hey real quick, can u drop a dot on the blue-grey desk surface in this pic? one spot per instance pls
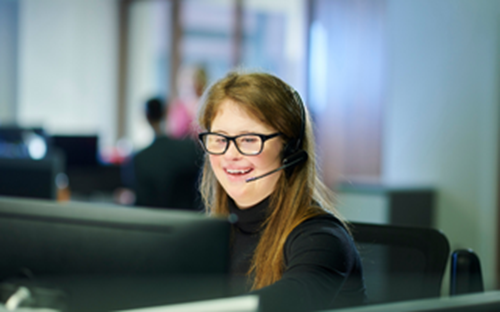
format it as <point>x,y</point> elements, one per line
<point>479,302</point>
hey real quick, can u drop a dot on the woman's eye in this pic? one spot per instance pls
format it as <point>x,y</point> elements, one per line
<point>249,140</point>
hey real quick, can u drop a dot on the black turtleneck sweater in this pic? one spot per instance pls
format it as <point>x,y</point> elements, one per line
<point>322,265</point>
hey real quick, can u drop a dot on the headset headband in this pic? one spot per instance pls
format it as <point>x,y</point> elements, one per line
<point>298,99</point>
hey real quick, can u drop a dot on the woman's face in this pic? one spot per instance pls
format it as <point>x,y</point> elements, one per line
<point>232,169</point>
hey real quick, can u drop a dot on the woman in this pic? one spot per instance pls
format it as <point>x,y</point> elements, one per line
<point>288,239</point>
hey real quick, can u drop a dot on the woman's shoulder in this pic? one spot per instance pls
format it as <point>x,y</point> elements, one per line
<point>321,241</point>
<point>325,222</point>
<point>321,230</point>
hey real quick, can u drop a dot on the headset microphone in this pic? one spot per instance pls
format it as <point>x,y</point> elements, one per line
<point>290,161</point>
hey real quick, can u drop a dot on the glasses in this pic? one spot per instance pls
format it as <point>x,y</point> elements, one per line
<point>249,144</point>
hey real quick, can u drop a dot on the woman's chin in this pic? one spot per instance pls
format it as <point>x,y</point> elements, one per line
<point>238,196</point>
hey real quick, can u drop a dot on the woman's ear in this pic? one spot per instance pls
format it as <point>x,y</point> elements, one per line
<point>288,148</point>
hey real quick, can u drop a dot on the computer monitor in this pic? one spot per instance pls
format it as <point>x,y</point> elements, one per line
<point>107,257</point>
<point>20,142</point>
<point>79,150</point>
<point>15,134</point>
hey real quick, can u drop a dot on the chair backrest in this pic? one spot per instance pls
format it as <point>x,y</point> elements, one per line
<point>465,273</point>
<point>401,263</point>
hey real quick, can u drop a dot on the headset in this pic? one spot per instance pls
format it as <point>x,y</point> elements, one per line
<point>293,153</point>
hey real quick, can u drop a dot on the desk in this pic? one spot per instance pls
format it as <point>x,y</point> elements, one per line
<point>101,293</point>
<point>247,303</point>
<point>479,302</point>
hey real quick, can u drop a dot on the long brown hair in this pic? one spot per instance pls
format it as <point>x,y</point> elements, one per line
<point>298,196</point>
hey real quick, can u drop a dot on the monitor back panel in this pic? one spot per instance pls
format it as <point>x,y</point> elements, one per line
<point>128,257</point>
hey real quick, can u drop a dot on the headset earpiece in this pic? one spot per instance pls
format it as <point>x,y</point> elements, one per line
<point>289,148</point>
<point>295,158</point>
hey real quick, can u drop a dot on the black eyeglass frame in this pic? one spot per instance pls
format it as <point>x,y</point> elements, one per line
<point>263,138</point>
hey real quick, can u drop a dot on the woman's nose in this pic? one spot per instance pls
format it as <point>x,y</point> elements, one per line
<point>232,152</point>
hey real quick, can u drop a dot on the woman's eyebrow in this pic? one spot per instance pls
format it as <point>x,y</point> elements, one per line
<point>218,131</point>
<point>237,133</point>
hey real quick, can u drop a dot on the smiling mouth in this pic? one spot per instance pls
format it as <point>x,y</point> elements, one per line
<point>238,172</point>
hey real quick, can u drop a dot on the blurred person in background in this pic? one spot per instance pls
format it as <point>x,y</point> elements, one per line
<point>191,83</point>
<point>165,174</point>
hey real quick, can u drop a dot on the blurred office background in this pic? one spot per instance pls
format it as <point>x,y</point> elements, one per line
<point>404,94</point>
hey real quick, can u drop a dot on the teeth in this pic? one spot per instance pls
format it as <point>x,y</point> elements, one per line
<point>231,171</point>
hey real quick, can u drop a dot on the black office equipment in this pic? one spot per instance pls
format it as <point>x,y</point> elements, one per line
<point>14,133</point>
<point>80,150</point>
<point>401,263</point>
<point>30,178</point>
<point>86,173</point>
<point>110,257</point>
<point>20,142</point>
<point>465,273</point>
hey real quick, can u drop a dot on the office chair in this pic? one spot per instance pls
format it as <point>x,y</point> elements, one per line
<point>401,263</point>
<point>465,273</point>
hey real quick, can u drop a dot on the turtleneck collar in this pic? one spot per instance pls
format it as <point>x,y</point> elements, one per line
<point>249,219</point>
